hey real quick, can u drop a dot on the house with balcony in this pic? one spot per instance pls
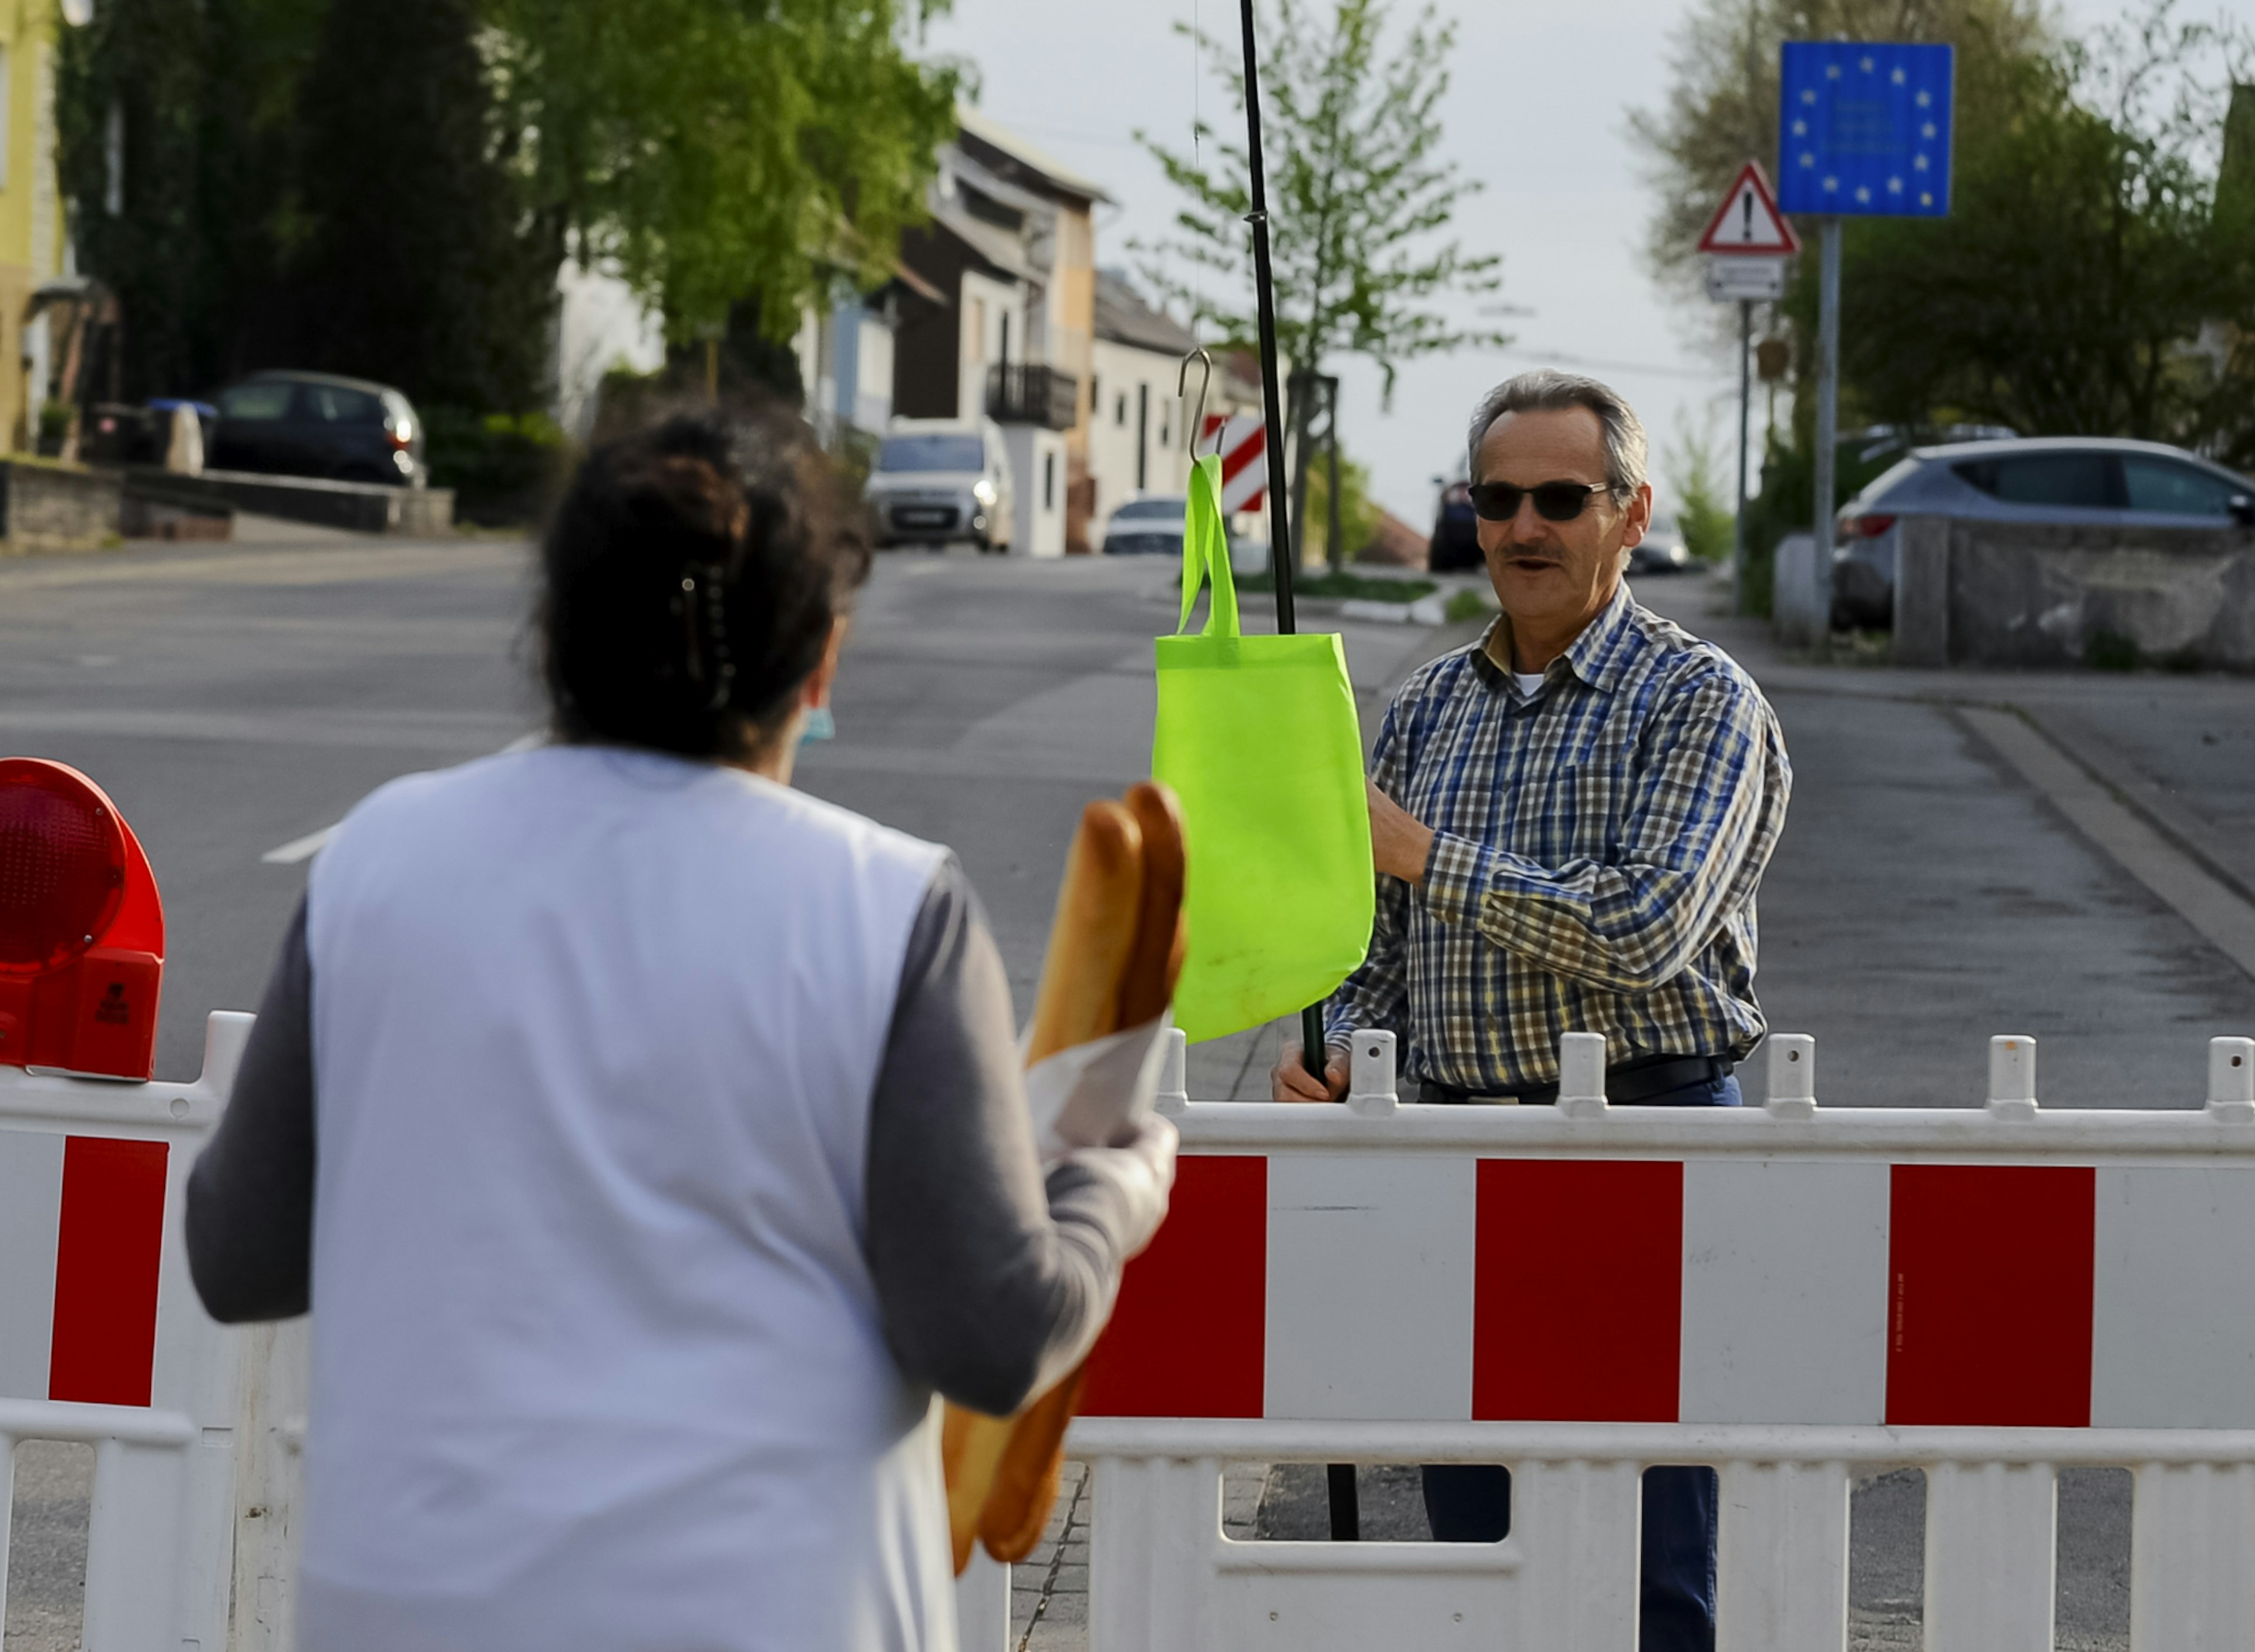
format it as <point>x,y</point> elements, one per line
<point>1137,439</point>
<point>1000,322</point>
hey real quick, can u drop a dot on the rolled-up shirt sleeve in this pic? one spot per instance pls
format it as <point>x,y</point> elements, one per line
<point>1693,817</point>
<point>992,1279</point>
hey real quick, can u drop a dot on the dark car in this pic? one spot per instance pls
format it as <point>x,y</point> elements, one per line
<point>316,424</point>
<point>1456,532</point>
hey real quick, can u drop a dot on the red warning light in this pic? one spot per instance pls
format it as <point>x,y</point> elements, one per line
<point>81,927</point>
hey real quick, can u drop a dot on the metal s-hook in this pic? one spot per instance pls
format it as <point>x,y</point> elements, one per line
<point>1181,393</point>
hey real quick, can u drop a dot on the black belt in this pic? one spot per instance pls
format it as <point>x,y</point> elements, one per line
<point>1626,1085</point>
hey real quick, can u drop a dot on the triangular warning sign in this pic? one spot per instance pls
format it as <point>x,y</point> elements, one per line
<point>1748,220</point>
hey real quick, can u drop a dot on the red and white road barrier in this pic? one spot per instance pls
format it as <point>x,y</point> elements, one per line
<point>103,1341</point>
<point>1794,1295</point>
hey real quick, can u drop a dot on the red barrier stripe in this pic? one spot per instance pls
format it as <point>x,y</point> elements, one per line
<point>1188,1336</point>
<point>1254,447</point>
<point>1989,1272</point>
<point>1578,1290</point>
<point>106,1266</point>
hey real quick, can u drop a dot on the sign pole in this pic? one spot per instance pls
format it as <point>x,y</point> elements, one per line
<point>1745,398</point>
<point>1827,395</point>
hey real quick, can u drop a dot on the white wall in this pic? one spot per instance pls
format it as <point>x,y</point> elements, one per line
<point>600,324</point>
<point>1037,482</point>
<point>1135,393</point>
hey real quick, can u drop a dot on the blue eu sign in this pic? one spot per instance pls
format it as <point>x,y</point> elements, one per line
<point>1864,130</point>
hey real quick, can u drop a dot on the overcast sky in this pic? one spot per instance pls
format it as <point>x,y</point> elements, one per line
<point>1539,108</point>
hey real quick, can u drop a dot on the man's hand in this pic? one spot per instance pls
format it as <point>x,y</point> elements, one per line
<point>1398,845</point>
<point>1289,1080</point>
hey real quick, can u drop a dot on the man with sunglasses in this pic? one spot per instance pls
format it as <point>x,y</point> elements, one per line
<point>1569,818</point>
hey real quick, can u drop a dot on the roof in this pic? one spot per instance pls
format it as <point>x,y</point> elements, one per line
<point>295,377</point>
<point>1123,317</point>
<point>1957,452</point>
<point>993,133</point>
<point>999,247</point>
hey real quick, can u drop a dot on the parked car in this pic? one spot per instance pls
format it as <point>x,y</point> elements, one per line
<point>941,479</point>
<point>2071,481</point>
<point>1150,526</point>
<point>1661,550</point>
<point>1455,543</point>
<point>318,425</point>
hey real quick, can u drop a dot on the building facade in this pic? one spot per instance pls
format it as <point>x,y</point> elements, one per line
<point>1000,321</point>
<point>34,246</point>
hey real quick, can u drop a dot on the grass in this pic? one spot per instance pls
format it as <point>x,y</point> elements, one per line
<point>1466,605</point>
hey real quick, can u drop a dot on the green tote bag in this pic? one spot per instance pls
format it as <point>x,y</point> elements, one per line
<point>1257,737</point>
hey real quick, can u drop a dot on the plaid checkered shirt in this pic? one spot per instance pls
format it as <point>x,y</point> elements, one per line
<point>1596,849</point>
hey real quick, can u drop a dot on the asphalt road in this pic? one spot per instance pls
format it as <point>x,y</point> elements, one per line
<point>236,700</point>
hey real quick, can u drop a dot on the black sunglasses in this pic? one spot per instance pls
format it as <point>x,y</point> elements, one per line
<point>1553,501</point>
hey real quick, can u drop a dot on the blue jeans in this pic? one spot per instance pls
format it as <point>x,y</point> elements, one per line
<point>1470,1502</point>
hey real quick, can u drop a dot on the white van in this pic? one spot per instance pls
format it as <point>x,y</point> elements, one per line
<point>941,479</point>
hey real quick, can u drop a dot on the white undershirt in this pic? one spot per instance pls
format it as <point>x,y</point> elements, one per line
<point>1531,683</point>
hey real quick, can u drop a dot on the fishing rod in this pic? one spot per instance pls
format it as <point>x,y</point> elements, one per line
<point>1338,1477</point>
<point>1280,513</point>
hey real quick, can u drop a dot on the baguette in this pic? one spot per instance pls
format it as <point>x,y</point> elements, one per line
<point>1156,962</point>
<point>1026,1477</point>
<point>1094,931</point>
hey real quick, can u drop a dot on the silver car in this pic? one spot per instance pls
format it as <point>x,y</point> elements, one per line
<point>2073,480</point>
<point>1149,525</point>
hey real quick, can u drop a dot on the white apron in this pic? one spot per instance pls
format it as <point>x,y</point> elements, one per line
<point>597,1364</point>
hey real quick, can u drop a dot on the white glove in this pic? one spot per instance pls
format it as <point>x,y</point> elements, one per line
<point>1141,1171</point>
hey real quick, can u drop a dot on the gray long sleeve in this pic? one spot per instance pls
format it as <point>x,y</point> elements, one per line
<point>987,1280</point>
<point>250,1195</point>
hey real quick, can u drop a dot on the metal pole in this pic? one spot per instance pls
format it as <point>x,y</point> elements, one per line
<point>1345,1521</point>
<point>1827,403</point>
<point>1279,516</point>
<point>1745,398</point>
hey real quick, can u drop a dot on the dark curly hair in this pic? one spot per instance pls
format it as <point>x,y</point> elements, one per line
<point>689,579</point>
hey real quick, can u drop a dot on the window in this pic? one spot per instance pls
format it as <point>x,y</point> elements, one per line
<point>1049,481</point>
<point>2182,490</point>
<point>2082,481</point>
<point>334,404</point>
<point>267,400</point>
<point>1119,410</point>
<point>932,453</point>
<point>1095,398</point>
<point>1158,507</point>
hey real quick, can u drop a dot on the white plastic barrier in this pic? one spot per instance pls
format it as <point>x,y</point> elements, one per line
<point>103,1341</point>
<point>1793,1295</point>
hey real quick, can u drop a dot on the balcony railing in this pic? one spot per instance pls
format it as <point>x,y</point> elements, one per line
<point>1032,394</point>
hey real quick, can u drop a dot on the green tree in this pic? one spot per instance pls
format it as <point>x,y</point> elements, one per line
<point>1359,512</point>
<point>176,152</point>
<point>1704,510</point>
<point>2085,282</point>
<point>412,267</point>
<point>1358,201</point>
<point>720,151</point>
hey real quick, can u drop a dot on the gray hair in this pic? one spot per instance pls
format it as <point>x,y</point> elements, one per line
<point>1548,390</point>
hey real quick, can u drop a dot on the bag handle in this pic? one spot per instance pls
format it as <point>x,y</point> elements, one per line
<point>1205,551</point>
